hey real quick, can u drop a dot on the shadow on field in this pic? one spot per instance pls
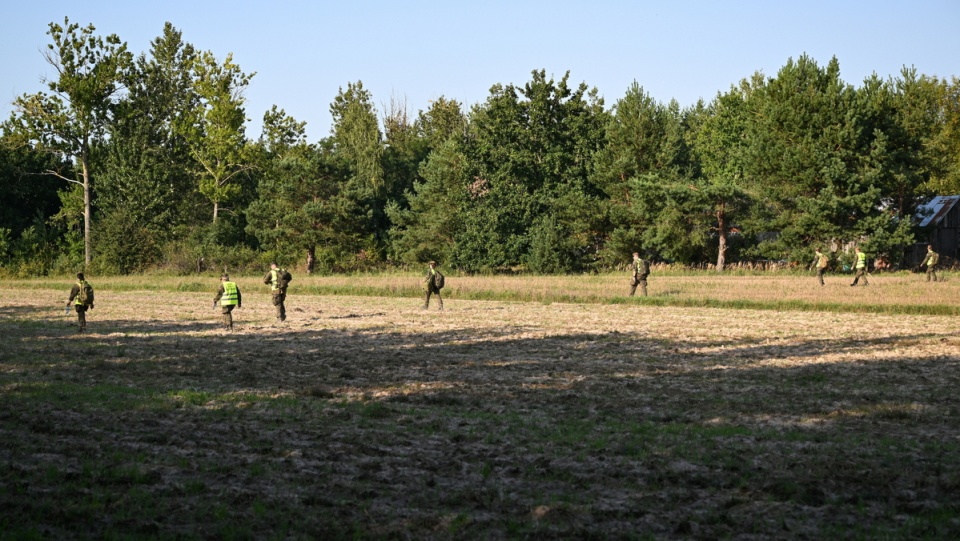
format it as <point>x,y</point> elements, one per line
<point>509,431</point>
<point>382,363</point>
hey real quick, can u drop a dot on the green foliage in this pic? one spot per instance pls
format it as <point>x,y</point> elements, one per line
<point>125,244</point>
<point>27,189</point>
<point>426,230</point>
<point>214,128</point>
<point>72,121</point>
<point>551,249</point>
<point>538,176</point>
<point>304,203</point>
<point>521,153</point>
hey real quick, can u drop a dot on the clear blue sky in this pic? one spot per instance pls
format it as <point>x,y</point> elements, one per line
<point>415,51</point>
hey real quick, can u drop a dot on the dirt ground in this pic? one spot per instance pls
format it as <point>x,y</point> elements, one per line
<point>371,418</point>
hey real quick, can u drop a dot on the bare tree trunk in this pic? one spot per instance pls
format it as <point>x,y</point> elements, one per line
<point>216,209</point>
<point>87,244</point>
<point>722,236</point>
<point>311,259</point>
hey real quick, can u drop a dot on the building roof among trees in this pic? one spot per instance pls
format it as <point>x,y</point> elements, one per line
<point>933,212</point>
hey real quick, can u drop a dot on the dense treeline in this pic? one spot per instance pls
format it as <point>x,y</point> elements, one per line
<point>129,163</point>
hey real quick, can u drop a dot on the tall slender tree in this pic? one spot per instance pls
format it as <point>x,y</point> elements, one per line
<point>215,128</point>
<point>358,148</point>
<point>72,119</point>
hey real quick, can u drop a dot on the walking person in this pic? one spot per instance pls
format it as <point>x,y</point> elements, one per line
<point>640,270</point>
<point>931,263</point>
<point>820,261</point>
<point>81,295</point>
<point>278,279</point>
<point>432,284</point>
<point>861,268</point>
<point>229,297</point>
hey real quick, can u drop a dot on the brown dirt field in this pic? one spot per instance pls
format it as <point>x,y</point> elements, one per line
<point>366,417</point>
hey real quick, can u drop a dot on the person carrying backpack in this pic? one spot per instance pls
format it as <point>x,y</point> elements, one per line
<point>432,283</point>
<point>931,263</point>
<point>640,271</point>
<point>81,295</point>
<point>278,279</point>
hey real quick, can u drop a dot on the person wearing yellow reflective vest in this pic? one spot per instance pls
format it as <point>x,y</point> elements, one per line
<point>81,295</point>
<point>861,268</point>
<point>276,278</point>
<point>229,297</point>
<point>820,262</point>
<point>931,263</point>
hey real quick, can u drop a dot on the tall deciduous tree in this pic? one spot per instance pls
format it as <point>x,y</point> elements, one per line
<point>72,119</point>
<point>941,137</point>
<point>215,128</point>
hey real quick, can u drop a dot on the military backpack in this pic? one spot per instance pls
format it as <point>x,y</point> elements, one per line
<point>85,296</point>
<point>283,278</point>
<point>644,268</point>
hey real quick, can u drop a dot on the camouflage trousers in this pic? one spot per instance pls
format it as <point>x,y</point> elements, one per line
<point>279,297</point>
<point>861,273</point>
<point>426,300</point>
<point>642,282</point>
<point>81,316</point>
<point>227,312</point>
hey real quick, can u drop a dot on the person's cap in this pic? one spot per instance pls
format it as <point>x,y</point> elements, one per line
<point>431,263</point>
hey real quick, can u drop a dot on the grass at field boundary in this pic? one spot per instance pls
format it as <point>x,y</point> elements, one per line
<point>205,284</point>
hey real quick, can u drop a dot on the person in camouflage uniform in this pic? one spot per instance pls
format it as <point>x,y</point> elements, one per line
<point>640,271</point>
<point>931,263</point>
<point>229,297</point>
<point>278,287</point>
<point>820,262</point>
<point>430,285</point>
<point>80,306</point>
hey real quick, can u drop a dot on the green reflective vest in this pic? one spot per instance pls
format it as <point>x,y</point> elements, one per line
<point>230,294</point>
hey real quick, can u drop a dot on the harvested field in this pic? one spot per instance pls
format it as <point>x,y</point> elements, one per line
<point>366,417</point>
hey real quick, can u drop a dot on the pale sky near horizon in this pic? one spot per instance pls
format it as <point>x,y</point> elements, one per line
<point>413,52</point>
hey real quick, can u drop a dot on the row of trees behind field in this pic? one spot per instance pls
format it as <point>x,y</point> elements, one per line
<point>127,163</point>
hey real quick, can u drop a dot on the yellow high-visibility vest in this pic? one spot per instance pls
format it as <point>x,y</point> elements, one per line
<point>230,294</point>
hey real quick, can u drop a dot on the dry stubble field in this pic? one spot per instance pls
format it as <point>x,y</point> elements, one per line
<point>366,417</point>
